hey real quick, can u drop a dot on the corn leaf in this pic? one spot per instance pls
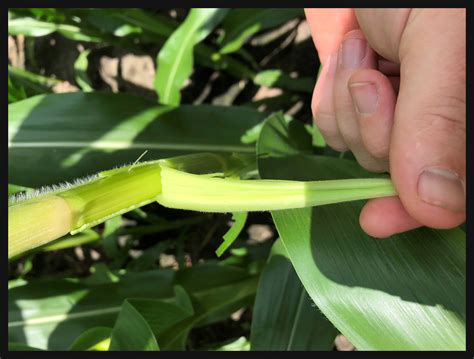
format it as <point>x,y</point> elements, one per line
<point>157,28</point>
<point>116,20</point>
<point>154,28</point>
<point>284,317</point>
<point>16,92</point>
<point>73,135</point>
<point>47,14</point>
<point>67,241</point>
<point>161,315</point>
<point>240,344</point>
<point>109,21</point>
<point>94,339</point>
<point>86,237</point>
<point>80,67</point>
<point>241,24</point>
<point>211,306</point>
<point>117,26</point>
<point>31,27</point>
<point>171,323</point>
<point>231,235</point>
<point>32,83</point>
<point>53,319</point>
<point>16,347</point>
<point>132,332</point>
<point>406,292</point>
<point>175,59</point>
<point>277,78</point>
<point>230,278</point>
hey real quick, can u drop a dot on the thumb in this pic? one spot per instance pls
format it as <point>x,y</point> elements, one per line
<point>428,143</point>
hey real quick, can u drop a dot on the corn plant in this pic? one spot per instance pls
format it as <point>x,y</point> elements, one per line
<point>84,165</point>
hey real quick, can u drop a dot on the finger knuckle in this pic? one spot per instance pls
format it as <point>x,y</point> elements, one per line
<point>374,167</point>
<point>378,148</point>
<point>372,164</point>
<point>336,145</point>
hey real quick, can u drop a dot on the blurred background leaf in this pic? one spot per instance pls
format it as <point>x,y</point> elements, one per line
<point>131,332</point>
<point>81,66</point>
<point>240,344</point>
<point>31,27</point>
<point>18,347</point>
<point>31,83</point>
<point>15,92</point>
<point>241,24</point>
<point>175,60</point>
<point>94,339</point>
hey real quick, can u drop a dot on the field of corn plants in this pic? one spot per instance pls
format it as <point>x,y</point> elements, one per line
<point>169,191</point>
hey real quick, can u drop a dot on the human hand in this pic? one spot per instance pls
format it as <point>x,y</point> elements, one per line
<point>393,91</point>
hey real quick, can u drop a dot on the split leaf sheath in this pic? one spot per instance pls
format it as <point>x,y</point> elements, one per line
<point>211,187</point>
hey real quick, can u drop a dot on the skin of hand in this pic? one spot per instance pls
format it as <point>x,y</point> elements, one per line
<point>393,91</point>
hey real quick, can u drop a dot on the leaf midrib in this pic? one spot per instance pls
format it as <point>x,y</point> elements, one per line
<point>297,315</point>
<point>117,145</point>
<point>63,317</point>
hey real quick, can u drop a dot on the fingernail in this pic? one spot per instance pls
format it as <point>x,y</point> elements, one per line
<point>352,53</point>
<point>442,188</point>
<point>365,97</point>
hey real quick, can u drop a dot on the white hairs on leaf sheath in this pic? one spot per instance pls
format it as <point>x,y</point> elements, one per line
<point>55,188</point>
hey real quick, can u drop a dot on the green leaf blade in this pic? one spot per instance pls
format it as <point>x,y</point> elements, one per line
<point>284,318</point>
<point>74,135</point>
<point>132,332</point>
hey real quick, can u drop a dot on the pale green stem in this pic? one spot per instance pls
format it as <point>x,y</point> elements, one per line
<point>208,194</point>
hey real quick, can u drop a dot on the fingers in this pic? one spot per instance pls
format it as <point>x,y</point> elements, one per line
<point>346,124</point>
<point>373,97</point>
<point>328,27</point>
<point>323,106</point>
<point>354,55</point>
<point>384,217</point>
<point>428,149</point>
